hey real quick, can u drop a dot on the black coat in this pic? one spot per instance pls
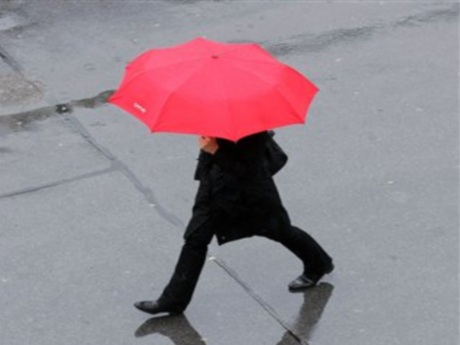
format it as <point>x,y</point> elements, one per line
<point>237,193</point>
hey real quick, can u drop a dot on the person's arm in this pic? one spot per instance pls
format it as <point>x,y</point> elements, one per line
<point>241,159</point>
<point>228,160</point>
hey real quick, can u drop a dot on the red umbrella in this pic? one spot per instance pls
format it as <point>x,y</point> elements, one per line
<point>214,89</point>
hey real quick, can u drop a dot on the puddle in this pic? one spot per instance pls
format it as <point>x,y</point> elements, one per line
<point>92,102</point>
<point>179,330</point>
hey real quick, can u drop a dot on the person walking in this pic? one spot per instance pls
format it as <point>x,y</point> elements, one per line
<point>236,198</point>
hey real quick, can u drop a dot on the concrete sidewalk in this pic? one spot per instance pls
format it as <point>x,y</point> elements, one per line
<point>93,206</point>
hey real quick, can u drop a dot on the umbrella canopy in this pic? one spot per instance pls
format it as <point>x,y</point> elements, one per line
<point>215,89</point>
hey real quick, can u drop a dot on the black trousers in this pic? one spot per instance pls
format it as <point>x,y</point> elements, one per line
<point>178,293</point>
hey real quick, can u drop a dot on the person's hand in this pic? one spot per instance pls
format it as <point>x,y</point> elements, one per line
<point>208,144</point>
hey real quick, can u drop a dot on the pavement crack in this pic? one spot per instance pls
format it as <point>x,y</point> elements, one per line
<point>320,42</point>
<point>299,44</point>
<point>144,190</point>
<point>20,121</point>
<point>16,68</point>
<point>269,309</point>
<point>448,13</point>
<point>10,61</point>
<point>57,183</point>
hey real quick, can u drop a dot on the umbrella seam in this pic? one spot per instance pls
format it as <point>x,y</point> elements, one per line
<point>275,86</point>
<point>227,103</point>
<point>166,101</point>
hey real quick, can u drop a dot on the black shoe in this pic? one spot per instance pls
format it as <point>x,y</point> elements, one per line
<point>153,307</point>
<point>306,280</point>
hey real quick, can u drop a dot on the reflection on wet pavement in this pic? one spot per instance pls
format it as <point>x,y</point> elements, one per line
<point>179,330</point>
<point>314,302</point>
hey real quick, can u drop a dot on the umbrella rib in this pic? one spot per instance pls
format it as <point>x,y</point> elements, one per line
<point>276,87</point>
<point>168,98</point>
<point>227,103</point>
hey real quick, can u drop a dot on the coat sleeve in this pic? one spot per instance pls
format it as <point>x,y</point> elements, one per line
<point>204,160</point>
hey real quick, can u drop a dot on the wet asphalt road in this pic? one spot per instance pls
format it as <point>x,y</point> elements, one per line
<point>92,206</point>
